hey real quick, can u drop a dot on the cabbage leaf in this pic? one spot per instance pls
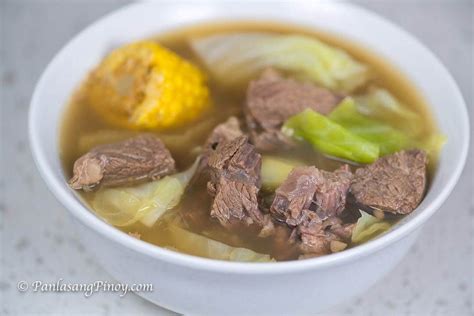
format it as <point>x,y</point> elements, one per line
<point>368,227</point>
<point>199,245</point>
<point>234,59</point>
<point>385,136</point>
<point>381,105</point>
<point>330,138</point>
<point>123,206</point>
<point>275,170</point>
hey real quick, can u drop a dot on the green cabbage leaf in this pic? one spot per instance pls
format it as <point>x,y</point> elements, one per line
<point>384,135</point>
<point>330,138</point>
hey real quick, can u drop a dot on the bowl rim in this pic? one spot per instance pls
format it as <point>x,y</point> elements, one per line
<point>86,217</point>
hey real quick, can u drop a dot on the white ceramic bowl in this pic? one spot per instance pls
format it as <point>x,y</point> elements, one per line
<point>195,285</point>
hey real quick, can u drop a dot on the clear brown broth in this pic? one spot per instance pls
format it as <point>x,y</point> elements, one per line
<point>79,121</point>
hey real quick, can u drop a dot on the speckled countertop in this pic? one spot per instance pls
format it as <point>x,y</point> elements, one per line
<point>39,243</point>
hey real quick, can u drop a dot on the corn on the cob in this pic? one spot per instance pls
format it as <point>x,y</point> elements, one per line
<point>146,86</point>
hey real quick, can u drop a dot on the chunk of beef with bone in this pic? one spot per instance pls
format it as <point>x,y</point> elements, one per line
<point>308,188</point>
<point>309,200</point>
<point>234,168</point>
<point>394,183</point>
<point>272,99</point>
<point>137,159</point>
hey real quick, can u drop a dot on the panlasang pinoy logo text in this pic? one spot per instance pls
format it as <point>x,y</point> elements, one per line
<point>86,288</point>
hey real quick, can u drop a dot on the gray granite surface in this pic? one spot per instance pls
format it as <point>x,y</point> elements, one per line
<point>39,243</point>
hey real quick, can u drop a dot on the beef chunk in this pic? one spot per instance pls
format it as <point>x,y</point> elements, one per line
<point>295,195</point>
<point>394,183</point>
<point>226,131</point>
<point>271,99</point>
<point>234,168</point>
<point>235,200</point>
<point>330,196</point>
<point>236,159</point>
<point>311,189</point>
<point>140,158</point>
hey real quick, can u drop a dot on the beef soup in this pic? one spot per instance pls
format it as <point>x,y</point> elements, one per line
<point>249,142</point>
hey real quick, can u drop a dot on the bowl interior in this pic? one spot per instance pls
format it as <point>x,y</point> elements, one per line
<point>74,61</point>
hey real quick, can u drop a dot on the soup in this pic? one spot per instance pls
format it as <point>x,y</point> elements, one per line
<point>249,142</point>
